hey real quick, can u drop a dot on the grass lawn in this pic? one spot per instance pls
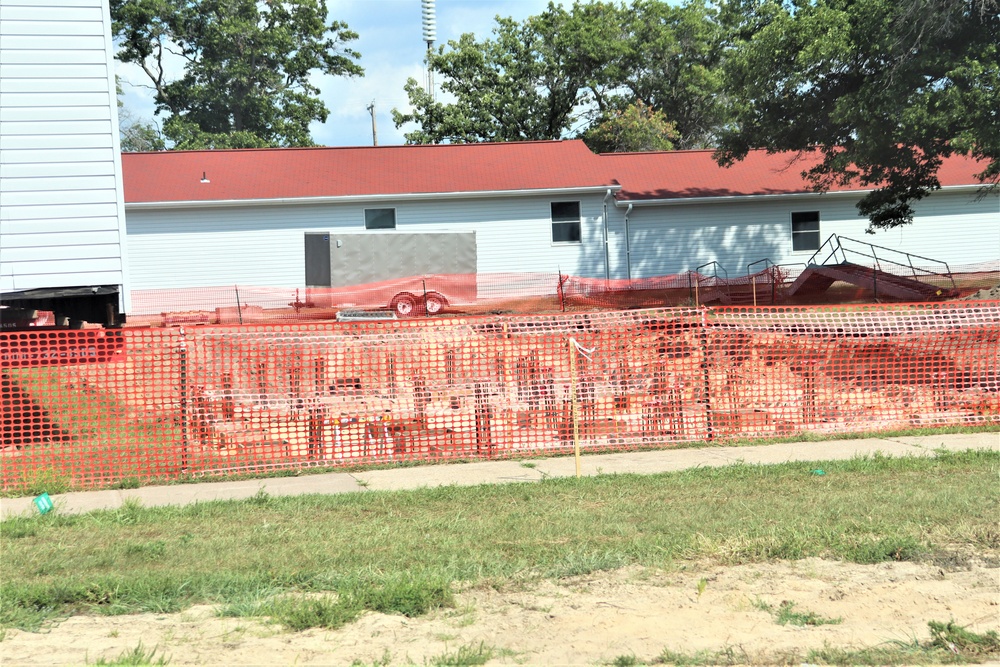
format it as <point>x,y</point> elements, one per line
<point>405,551</point>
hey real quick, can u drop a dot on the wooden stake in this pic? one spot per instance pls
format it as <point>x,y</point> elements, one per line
<point>696,302</point>
<point>753,284</point>
<point>573,401</point>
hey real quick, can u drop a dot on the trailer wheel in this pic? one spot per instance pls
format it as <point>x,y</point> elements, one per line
<point>404,304</point>
<point>435,303</point>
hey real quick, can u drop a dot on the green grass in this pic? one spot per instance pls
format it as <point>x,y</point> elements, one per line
<point>465,656</point>
<point>787,614</point>
<point>104,441</point>
<point>403,552</point>
<point>949,644</point>
<point>138,656</point>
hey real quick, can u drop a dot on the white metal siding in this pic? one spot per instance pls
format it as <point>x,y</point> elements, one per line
<point>953,227</point>
<point>62,220</point>
<point>264,245</point>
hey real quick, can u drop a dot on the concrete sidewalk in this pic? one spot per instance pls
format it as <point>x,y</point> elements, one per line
<point>499,472</point>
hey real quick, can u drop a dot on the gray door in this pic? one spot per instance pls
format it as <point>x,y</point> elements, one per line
<point>318,260</point>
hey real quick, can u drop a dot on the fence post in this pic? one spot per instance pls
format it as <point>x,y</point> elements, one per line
<point>239,308</point>
<point>182,351</point>
<point>562,295</point>
<point>574,404</point>
<point>705,352</point>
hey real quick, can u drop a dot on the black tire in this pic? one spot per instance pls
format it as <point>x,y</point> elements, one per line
<point>404,304</point>
<point>434,303</point>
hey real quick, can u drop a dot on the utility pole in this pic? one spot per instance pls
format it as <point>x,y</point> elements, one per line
<point>430,34</point>
<point>371,110</point>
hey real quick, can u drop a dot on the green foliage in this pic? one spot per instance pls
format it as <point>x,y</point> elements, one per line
<point>44,480</point>
<point>465,656</point>
<point>136,656</point>
<point>640,77</point>
<point>671,60</point>
<point>788,615</point>
<point>299,614</point>
<point>636,128</point>
<point>521,85</point>
<point>249,66</point>
<point>408,595</point>
<point>137,135</point>
<point>957,639</point>
<point>891,548</point>
<point>883,90</point>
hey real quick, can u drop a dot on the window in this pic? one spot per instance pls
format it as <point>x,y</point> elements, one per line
<point>805,231</point>
<point>380,218</point>
<point>565,222</point>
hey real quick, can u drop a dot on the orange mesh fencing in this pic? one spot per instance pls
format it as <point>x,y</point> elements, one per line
<point>95,408</point>
<point>508,293</point>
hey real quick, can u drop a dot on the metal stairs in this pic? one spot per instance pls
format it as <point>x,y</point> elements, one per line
<point>876,268</point>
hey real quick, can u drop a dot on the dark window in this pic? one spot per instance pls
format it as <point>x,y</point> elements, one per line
<point>565,222</point>
<point>380,218</point>
<point>805,231</point>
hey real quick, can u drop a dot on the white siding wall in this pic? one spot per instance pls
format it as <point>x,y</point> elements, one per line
<point>62,220</point>
<point>949,226</point>
<point>264,245</point>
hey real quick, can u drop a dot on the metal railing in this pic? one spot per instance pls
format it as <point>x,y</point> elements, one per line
<point>839,252</point>
<point>708,279</point>
<point>777,272</point>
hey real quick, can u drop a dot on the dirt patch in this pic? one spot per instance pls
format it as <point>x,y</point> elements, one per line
<point>578,621</point>
<point>985,294</point>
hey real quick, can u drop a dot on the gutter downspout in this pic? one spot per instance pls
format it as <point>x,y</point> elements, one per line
<point>628,245</point>
<point>607,256</point>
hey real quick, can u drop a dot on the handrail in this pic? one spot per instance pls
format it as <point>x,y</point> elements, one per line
<point>775,273</point>
<point>837,245</point>
<point>768,264</point>
<point>834,241</point>
<point>716,267</point>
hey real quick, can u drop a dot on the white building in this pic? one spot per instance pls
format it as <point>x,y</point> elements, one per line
<point>62,216</point>
<point>254,217</point>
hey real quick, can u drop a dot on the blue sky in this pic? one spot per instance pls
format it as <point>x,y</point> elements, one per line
<point>391,44</point>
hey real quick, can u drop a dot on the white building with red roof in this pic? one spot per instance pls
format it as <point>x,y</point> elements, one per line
<point>266,217</point>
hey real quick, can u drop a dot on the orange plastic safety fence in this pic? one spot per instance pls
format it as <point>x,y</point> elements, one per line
<point>509,293</point>
<point>97,407</point>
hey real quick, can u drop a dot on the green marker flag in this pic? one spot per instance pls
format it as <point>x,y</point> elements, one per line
<point>44,503</point>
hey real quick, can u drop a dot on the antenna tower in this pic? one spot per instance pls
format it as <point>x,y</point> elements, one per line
<point>430,34</point>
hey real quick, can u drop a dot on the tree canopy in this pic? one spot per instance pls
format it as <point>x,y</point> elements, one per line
<point>568,72</point>
<point>884,89</point>
<point>247,66</point>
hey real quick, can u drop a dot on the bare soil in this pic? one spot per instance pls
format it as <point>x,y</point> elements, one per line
<point>584,620</point>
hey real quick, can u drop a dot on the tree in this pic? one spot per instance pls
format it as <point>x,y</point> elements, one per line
<point>136,135</point>
<point>885,90</point>
<point>247,66</point>
<point>522,85</point>
<point>672,62</point>
<point>564,71</point>
<point>636,128</point>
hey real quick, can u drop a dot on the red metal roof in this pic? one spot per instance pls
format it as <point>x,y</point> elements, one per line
<point>294,173</point>
<point>694,174</point>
